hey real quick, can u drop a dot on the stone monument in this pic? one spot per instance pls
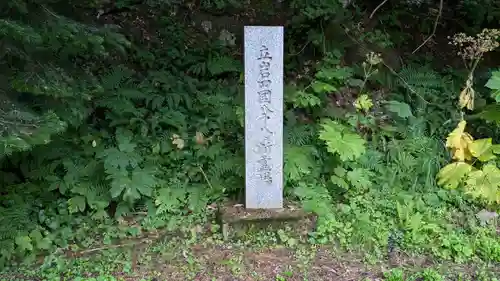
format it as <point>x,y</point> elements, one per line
<point>263,49</point>
<point>264,206</point>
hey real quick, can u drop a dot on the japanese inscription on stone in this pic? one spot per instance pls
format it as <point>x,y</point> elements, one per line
<point>264,117</point>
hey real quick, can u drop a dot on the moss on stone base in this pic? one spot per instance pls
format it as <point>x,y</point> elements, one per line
<point>237,221</point>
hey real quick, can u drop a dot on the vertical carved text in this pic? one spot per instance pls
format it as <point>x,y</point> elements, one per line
<point>264,95</point>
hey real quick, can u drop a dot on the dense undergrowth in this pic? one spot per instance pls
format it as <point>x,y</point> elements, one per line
<point>136,113</point>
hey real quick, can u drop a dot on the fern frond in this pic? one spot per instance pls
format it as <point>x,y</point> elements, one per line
<point>222,64</point>
<point>299,134</point>
<point>372,160</point>
<point>227,165</point>
<point>421,78</point>
<point>298,161</point>
<point>17,211</point>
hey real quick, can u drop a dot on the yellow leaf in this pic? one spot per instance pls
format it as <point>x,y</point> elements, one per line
<point>482,149</point>
<point>453,139</point>
<point>363,102</point>
<point>485,183</point>
<point>461,154</point>
<point>480,146</point>
<point>452,174</point>
<point>458,141</point>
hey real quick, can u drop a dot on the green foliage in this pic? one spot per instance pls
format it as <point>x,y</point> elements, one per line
<point>319,9</point>
<point>48,78</point>
<point>339,140</point>
<point>401,109</point>
<point>100,124</point>
<point>480,182</point>
<point>494,84</point>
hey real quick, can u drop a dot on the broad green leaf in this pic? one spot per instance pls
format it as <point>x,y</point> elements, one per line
<point>490,112</point>
<point>114,158</point>
<point>97,204</point>
<point>77,204</point>
<point>359,178</point>
<point>322,87</point>
<point>339,171</point>
<point>36,235</point>
<point>494,81</point>
<point>131,195</point>
<point>24,242</point>
<point>401,109</point>
<point>338,74</point>
<point>124,139</point>
<point>496,96</point>
<point>452,175</point>
<point>126,146</point>
<point>143,181</point>
<point>339,182</point>
<point>44,244</point>
<point>118,185</point>
<point>494,84</point>
<point>496,148</point>
<point>302,99</point>
<point>100,214</point>
<point>122,209</point>
<point>41,242</point>
<point>57,183</point>
<point>355,82</point>
<point>340,140</point>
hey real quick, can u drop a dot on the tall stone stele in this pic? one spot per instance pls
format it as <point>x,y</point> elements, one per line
<point>263,47</point>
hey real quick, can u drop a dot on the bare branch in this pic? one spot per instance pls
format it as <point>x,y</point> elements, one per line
<point>435,27</point>
<point>378,7</point>
<point>410,88</point>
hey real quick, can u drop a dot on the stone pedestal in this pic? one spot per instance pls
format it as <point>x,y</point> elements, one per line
<point>237,221</point>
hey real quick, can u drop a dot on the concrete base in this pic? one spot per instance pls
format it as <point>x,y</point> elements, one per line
<point>237,221</point>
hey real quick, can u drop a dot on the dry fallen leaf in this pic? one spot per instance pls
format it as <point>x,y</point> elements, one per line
<point>466,98</point>
<point>178,141</point>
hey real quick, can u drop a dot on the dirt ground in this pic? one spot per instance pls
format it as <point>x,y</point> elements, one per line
<point>227,263</point>
<point>238,264</point>
<point>215,260</point>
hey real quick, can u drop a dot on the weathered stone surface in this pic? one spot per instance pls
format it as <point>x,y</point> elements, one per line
<point>263,117</point>
<point>236,220</point>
